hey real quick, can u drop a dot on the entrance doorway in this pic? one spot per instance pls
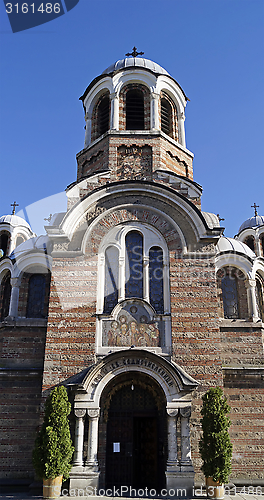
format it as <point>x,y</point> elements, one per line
<point>135,451</point>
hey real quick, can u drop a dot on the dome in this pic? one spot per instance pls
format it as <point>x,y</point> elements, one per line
<point>14,220</point>
<point>136,62</point>
<point>256,221</point>
<point>231,245</point>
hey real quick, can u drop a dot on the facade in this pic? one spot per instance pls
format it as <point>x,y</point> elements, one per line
<point>135,301</point>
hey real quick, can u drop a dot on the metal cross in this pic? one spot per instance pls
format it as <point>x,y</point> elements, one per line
<point>255,206</point>
<point>49,218</point>
<point>219,218</point>
<point>135,53</point>
<point>14,205</point>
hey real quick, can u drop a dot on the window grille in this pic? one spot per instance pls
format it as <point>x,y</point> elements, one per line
<point>36,296</point>
<point>103,116</point>
<point>135,110</point>
<point>156,279</point>
<point>134,265</point>
<point>111,278</point>
<point>230,298</point>
<point>166,117</point>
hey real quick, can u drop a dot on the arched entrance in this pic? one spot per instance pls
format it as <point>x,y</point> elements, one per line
<point>134,411</point>
<point>128,407</point>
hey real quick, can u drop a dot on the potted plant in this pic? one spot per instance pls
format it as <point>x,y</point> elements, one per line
<point>53,449</point>
<point>215,445</point>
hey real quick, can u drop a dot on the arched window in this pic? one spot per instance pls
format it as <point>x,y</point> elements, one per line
<point>6,294</point>
<point>103,116</point>
<point>111,278</point>
<point>259,297</point>
<point>156,279</point>
<point>36,296</point>
<point>134,265</point>
<point>4,242</point>
<point>230,297</point>
<point>250,243</point>
<point>262,243</point>
<point>135,110</point>
<point>166,117</point>
<point>19,240</point>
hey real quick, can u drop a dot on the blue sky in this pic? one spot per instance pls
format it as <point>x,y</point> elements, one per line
<point>213,48</point>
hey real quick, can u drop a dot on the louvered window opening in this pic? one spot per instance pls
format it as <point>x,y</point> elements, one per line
<point>166,117</point>
<point>6,299</point>
<point>103,116</point>
<point>135,110</point>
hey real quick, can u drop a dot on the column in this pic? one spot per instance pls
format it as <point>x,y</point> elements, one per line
<point>258,246</point>
<point>92,461</point>
<point>252,301</point>
<point>172,437</point>
<point>13,307</point>
<point>88,130</point>
<point>114,120</point>
<point>181,119</point>
<point>154,115</point>
<point>79,432</point>
<point>146,278</point>
<point>185,436</point>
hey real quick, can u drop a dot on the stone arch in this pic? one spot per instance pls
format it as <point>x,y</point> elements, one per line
<point>172,385</point>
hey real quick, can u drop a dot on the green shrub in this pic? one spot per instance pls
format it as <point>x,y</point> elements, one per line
<point>53,449</point>
<point>215,446</point>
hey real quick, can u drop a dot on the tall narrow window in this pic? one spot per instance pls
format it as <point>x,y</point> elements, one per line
<point>156,279</point>
<point>250,243</point>
<point>103,116</point>
<point>259,296</point>
<point>4,241</point>
<point>230,299</point>
<point>166,117</point>
<point>134,265</point>
<point>6,294</point>
<point>111,278</point>
<point>36,296</point>
<point>135,110</point>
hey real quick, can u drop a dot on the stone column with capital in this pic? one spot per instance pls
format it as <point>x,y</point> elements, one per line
<point>185,436</point>
<point>154,111</point>
<point>172,461</point>
<point>79,434</point>
<point>252,300</point>
<point>88,130</point>
<point>181,119</point>
<point>13,307</point>
<point>179,475</point>
<point>86,476</point>
<point>92,461</point>
<point>114,118</point>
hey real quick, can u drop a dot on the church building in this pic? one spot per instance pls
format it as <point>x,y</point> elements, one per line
<point>134,301</point>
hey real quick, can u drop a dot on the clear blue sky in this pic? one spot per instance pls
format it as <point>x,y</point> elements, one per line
<point>213,48</point>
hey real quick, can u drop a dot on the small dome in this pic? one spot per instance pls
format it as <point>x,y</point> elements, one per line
<point>14,220</point>
<point>211,220</point>
<point>231,245</point>
<point>256,221</point>
<point>137,62</point>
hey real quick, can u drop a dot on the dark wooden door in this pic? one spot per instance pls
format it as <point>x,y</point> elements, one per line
<point>132,438</point>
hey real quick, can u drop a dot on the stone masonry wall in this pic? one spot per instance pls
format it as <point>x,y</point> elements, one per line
<point>70,342</point>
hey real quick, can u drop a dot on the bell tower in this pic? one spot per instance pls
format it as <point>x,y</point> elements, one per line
<point>134,113</point>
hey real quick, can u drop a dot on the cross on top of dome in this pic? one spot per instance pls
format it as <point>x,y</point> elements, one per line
<point>255,207</point>
<point>134,53</point>
<point>14,205</point>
